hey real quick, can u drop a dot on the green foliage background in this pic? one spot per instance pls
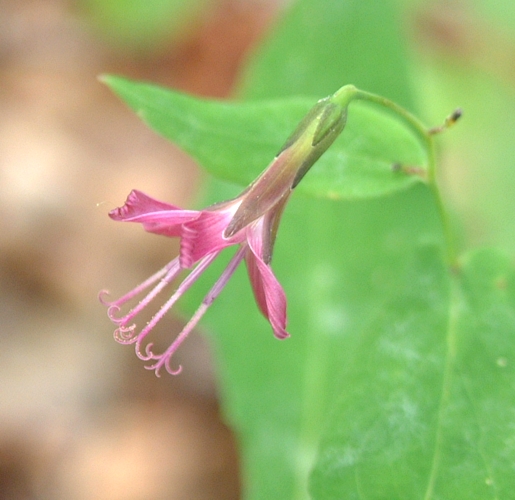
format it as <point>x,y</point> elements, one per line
<point>397,381</point>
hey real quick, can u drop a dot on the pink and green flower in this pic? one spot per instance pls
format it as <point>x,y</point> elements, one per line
<point>248,222</point>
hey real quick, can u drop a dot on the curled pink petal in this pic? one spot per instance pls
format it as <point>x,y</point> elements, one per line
<point>156,216</point>
<point>138,204</point>
<point>268,292</point>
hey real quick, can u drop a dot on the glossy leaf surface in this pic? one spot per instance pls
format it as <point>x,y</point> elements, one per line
<point>235,141</point>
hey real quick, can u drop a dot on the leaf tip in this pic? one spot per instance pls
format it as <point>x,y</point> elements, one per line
<point>104,78</point>
<point>109,80</point>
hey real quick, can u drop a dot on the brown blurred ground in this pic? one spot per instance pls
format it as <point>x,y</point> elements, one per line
<point>79,416</point>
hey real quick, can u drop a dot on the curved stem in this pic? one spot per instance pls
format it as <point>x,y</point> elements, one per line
<point>426,138</point>
<point>414,123</point>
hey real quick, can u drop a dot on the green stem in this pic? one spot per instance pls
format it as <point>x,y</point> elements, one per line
<point>444,216</point>
<point>426,138</point>
<point>414,123</point>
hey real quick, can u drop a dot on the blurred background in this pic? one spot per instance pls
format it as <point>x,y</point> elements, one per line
<point>79,416</point>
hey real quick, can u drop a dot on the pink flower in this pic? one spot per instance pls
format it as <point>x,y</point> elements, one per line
<point>204,234</point>
<point>248,222</point>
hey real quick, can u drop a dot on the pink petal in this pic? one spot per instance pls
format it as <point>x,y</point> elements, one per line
<point>204,234</point>
<point>156,216</point>
<point>268,292</point>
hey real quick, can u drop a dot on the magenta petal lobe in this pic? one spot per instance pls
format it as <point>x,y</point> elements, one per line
<point>138,203</point>
<point>268,292</point>
<point>204,235</point>
<point>156,216</point>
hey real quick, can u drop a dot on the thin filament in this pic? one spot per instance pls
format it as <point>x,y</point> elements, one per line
<point>170,276</point>
<point>183,287</point>
<point>164,358</point>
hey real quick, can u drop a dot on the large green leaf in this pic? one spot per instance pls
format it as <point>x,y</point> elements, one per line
<point>235,141</point>
<point>427,410</point>
<point>338,262</point>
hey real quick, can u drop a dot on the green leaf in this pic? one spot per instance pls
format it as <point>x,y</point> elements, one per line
<point>427,410</point>
<point>235,141</point>
<point>337,262</point>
